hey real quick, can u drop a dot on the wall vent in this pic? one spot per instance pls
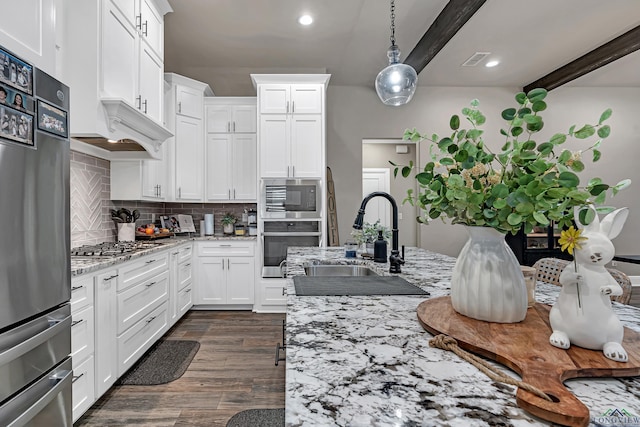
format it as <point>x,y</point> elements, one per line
<point>475,59</point>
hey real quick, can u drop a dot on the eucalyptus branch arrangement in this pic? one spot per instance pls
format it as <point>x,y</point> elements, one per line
<point>525,184</point>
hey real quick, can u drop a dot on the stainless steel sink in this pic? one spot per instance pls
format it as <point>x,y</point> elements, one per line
<point>338,270</point>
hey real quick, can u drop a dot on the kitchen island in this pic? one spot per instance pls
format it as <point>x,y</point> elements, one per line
<point>366,360</point>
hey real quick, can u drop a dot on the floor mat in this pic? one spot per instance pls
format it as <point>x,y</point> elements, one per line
<point>164,362</point>
<point>258,417</point>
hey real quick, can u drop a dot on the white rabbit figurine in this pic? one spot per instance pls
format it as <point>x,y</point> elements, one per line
<point>582,315</point>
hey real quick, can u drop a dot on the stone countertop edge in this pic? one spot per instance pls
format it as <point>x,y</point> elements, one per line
<point>83,265</point>
<point>366,360</point>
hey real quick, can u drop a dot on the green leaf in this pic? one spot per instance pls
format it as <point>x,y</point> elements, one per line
<point>577,166</point>
<point>596,155</point>
<point>571,130</point>
<point>446,161</point>
<point>594,181</point>
<point>474,133</point>
<point>524,112</point>
<point>503,132</point>
<point>540,218</point>
<point>535,127</point>
<point>480,119</point>
<point>536,95</point>
<point>558,139</point>
<point>521,98</point>
<point>406,171</point>
<point>584,132</point>
<point>600,198</point>
<point>509,114</point>
<point>524,208</point>
<point>444,143</point>
<point>605,115</point>
<point>514,219</point>
<point>568,180</point>
<point>475,103</point>
<point>500,191</point>
<point>625,183</point>
<point>424,178</point>
<point>566,155</point>
<point>604,131</point>
<point>586,216</point>
<point>549,178</point>
<point>488,213</point>
<point>529,145</point>
<point>454,123</point>
<point>516,131</point>
<point>597,189</point>
<point>435,186</point>
<point>539,106</point>
<point>545,148</point>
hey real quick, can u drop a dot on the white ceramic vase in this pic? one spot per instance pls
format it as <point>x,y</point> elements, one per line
<point>487,283</point>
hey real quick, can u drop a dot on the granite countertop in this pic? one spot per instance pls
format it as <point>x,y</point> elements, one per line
<point>82,265</point>
<point>366,361</point>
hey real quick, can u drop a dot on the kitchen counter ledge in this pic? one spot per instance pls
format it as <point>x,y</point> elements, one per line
<point>82,265</point>
<point>366,360</point>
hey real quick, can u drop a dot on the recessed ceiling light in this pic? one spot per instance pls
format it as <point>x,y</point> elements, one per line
<point>491,64</point>
<point>305,20</point>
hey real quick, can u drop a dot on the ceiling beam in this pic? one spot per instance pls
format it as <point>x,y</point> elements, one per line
<point>621,46</point>
<point>454,15</point>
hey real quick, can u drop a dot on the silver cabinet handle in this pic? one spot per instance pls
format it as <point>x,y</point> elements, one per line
<point>234,193</point>
<point>75,288</point>
<point>76,322</point>
<point>149,320</point>
<point>228,126</point>
<point>223,263</point>
<point>145,106</point>
<point>179,192</point>
<point>293,106</point>
<point>293,171</point>
<point>106,279</point>
<point>139,102</point>
<point>139,21</point>
<point>229,194</point>
<point>76,378</point>
<point>179,107</point>
<point>150,261</point>
<point>144,28</point>
<point>282,291</point>
<point>228,266</point>
<point>175,253</point>
<point>225,246</point>
<point>148,285</point>
<point>187,291</point>
<point>287,106</point>
<point>188,265</point>
<point>234,126</point>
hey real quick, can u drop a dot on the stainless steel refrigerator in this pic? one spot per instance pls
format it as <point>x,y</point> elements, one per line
<point>35,283</point>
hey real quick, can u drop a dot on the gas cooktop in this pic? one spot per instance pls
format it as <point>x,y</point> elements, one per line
<point>112,249</point>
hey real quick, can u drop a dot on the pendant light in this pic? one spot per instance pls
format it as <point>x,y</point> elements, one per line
<point>396,84</point>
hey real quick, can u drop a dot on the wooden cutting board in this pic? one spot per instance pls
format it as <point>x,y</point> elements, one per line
<point>524,347</point>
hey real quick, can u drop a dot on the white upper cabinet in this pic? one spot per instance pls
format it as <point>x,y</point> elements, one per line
<point>28,29</point>
<point>189,101</point>
<point>291,99</point>
<point>231,118</point>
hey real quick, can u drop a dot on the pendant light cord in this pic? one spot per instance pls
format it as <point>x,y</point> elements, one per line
<point>393,23</point>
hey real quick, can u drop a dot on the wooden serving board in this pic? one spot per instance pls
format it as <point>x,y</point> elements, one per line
<point>524,347</point>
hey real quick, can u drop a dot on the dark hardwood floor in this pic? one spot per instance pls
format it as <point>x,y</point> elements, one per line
<point>233,370</point>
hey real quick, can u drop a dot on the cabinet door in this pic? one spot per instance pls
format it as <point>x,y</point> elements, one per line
<point>119,54</point>
<point>219,166</point>
<point>218,118</point>
<point>306,146</point>
<point>189,159</point>
<point>151,26</point>
<point>106,361</point>
<point>189,102</point>
<point>240,280</point>
<point>274,99</point>
<point>154,177</point>
<point>244,166</point>
<point>274,142</point>
<point>211,280</point>
<point>244,119</point>
<point>151,82</point>
<point>306,99</point>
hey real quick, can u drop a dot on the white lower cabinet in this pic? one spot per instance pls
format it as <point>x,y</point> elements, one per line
<point>225,273</point>
<point>82,343</point>
<point>272,296</point>
<point>119,313</point>
<point>180,284</point>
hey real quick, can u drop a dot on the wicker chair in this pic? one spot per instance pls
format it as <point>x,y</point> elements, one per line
<point>548,270</point>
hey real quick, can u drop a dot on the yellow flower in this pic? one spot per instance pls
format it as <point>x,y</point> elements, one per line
<point>571,239</point>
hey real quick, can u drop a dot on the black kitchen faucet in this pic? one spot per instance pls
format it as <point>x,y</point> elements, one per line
<point>395,260</point>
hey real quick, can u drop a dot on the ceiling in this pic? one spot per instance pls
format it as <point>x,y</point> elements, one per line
<point>222,42</point>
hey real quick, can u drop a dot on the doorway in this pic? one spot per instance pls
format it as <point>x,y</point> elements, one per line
<point>377,179</point>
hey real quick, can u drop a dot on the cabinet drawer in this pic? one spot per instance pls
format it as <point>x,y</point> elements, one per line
<point>82,333</point>
<point>185,274</point>
<point>83,393</point>
<point>136,302</point>
<point>226,248</point>
<point>81,292</point>
<point>274,294</point>
<point>184,253</point>
<point>141,269</point>
<point>140,337</point>
<point>185,300</point>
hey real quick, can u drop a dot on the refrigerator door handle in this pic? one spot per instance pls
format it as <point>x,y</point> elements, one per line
<point>55,326</point>
<point>58,380</point>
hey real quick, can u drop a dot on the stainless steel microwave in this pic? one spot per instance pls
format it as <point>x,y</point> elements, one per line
<point>291,198</point>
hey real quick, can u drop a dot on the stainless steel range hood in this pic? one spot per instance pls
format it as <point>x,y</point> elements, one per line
<point>126,134</point>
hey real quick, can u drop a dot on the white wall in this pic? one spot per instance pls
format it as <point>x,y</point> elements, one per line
<point>354,113</point>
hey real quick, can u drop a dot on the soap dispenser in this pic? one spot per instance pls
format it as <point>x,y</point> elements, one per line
<point>380,249</point>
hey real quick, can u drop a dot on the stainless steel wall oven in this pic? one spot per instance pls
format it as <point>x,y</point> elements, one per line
<point>278,236</point>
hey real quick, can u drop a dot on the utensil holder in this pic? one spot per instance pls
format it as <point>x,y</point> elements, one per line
<point>126,231</point>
